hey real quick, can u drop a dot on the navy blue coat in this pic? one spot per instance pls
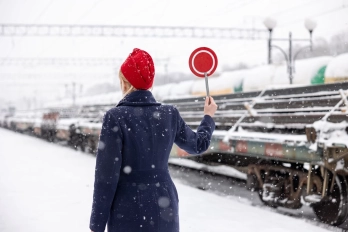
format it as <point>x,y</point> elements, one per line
<point>133,191</point>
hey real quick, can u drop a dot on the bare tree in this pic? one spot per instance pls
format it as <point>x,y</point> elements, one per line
<point>339,43</point>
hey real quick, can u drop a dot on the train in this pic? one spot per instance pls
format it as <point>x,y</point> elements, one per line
<point>318,70</point>
<point>292,143</point>
<point>290,140</point>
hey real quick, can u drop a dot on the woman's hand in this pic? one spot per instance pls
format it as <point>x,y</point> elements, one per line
<point>210,106</point>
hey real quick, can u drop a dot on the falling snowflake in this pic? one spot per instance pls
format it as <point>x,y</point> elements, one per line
<point>127,169</point>
<point>101,145</point>
<point>163,202</point>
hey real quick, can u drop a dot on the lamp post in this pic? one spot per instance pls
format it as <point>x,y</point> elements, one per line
<point>270,24</point>
<point>310,25</point>
<point>290,58</point>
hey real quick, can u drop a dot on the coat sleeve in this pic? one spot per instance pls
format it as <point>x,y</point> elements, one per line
<point>107,171</point>
<point>194,142</point>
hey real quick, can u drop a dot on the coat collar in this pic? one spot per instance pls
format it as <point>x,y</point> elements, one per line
<point>139,98</point>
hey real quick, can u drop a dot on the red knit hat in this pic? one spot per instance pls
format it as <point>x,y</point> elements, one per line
<point>139,69</point>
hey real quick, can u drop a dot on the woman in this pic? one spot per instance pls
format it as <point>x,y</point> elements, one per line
<point>133,190</point>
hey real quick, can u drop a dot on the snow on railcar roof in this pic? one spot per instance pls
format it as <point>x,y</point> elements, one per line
<point>338,67</point>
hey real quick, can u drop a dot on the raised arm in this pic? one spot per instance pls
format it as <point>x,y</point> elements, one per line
<point>107,171</point>
<point>196,142</point>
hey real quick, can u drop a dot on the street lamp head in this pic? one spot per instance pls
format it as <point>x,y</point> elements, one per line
<point>310,25</point>
<point>270,23</point>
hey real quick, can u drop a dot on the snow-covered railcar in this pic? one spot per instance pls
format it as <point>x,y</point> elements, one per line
<point>182,89</point>
<point>4,115</point>
<point>37,126</point>
<point>292,142</point>
<point>337,69</point>
<point>7,122</point>
<point>48,125</point>
<point>258,78</point>
<point>91,130</point>
<point>64,127</point>
<point>163,91</point>
<point>226,83</point>
<point>24,121</point>
<point>306,72</point>
<point>84,132</point>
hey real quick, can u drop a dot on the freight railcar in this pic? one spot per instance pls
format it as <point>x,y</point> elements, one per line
<point>293,143</point>
<point>307,72</point>
<point>337,69</point>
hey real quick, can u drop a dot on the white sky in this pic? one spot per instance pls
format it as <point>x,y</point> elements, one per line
<point>331,16</point>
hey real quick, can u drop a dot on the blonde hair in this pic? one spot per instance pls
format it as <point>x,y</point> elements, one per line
<point>131,89</point>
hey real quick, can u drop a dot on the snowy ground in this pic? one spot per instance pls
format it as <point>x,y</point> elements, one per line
<point>47,187</point>
<point>221,169</point>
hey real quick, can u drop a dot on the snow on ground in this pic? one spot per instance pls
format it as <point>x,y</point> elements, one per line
<point>220,169</point>
<point>47,187</point>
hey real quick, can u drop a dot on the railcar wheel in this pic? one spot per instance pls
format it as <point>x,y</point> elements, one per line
<point>333,209</point>
<point>261,193</point>
<point>267,203</point>
<point>83,147</point>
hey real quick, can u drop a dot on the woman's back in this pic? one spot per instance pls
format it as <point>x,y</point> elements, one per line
<point>148,129</point>
<point>133,190</point>
<point>132,164</point>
